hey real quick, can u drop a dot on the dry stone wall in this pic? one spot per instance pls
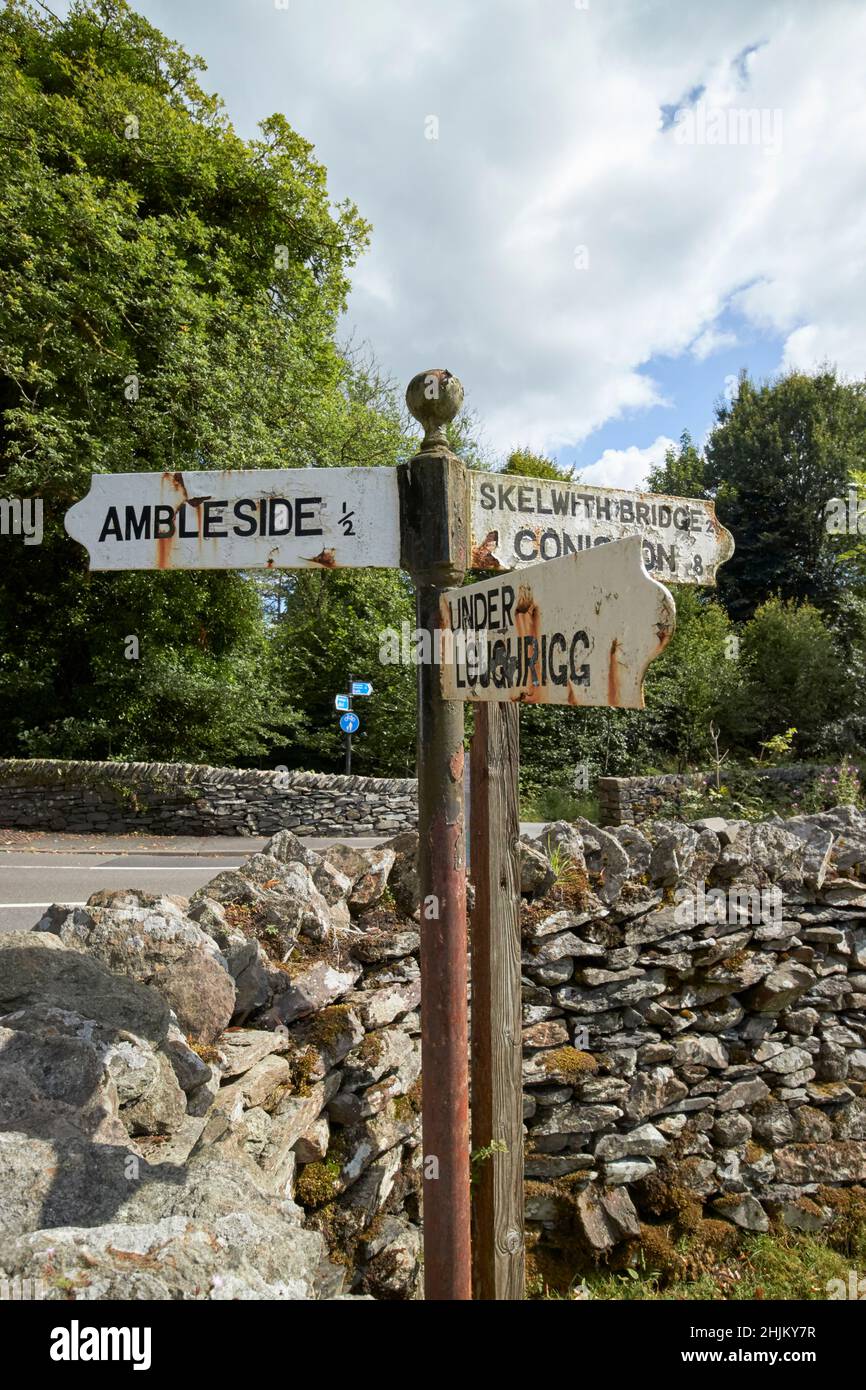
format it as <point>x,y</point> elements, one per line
<point>219,1097</point>
<point>216,1098</point>
<point>695,1029</point>
<point>188,799</point>
<point>631,800</point>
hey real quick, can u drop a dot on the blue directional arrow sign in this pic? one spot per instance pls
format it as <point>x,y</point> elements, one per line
<point>349,723</point>
<point>342,702</point>
<point>362,688</point>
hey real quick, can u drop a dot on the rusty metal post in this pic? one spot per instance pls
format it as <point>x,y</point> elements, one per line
<point>434,543</point>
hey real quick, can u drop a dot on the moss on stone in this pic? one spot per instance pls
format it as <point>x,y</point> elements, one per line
<point>370,1048</point>
<point>317,1183</point>
<point>570,1062</point>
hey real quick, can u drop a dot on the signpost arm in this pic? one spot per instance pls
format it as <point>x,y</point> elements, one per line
<point>433,505</point>
<point>497,1091</point>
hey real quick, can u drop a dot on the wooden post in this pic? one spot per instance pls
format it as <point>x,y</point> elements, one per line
<point>434,548</point>
<point>497,1090</point>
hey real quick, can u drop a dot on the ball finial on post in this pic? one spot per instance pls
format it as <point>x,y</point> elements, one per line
<point>434,398</point>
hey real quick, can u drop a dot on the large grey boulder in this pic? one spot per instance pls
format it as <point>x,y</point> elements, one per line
<point>241,1255</point>
<point>282,897</point>
<point>366,869</point>
<point>36,968</point>
<point>403,878</point>
<point>155,943</point>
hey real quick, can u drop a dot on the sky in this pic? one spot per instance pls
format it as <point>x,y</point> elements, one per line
<point>595,212</point>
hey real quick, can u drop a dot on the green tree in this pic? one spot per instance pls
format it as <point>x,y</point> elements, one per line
<point>683,473</point>
<point>776,456</point>
<point>168,300</point>
<point>685,687</point>
<point>335,624</point>
<point>792,675</point>
<point>527,464</point>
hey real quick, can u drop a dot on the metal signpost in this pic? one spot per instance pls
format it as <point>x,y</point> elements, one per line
<point>350,723</point>
<point>579,629</point>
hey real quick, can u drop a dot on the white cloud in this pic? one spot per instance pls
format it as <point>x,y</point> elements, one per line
<point>549,139</point>
<point>710,341</point>
<point>627,468</point>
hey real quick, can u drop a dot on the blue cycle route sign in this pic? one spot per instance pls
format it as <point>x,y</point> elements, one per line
<point>362,688</point>
<point>342,702</point>
<point>349,723</point>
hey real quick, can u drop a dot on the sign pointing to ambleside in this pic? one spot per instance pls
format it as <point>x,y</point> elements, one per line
<point>277,518</point>
<point>578,631</point>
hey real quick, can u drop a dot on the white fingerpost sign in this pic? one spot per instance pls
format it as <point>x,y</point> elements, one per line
<point>519,521</point>
<point>278,518</point>
<point>578,631</point>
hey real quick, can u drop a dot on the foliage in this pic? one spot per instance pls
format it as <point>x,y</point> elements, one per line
<point>683,473</point>
<point>837,786</point>
<point>333,625</point>
<point>784,1265</point>
<point>790,676</point>
<point>742,796</point>
<point>776,456</point>
<point>552,803</point>
<point>687,684</point>
<point>526,464</point>
<point>168,299</point>
<point>780,745</point>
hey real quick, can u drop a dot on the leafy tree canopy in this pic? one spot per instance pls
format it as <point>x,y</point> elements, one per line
<point>526,464</point>
<point>683,473</point>
<point>168,300</point>
<point>777,454</point>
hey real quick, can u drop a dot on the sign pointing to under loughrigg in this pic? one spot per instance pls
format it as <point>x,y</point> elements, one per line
<point>280,518</point>
<point>577,631</point>
<point>518,521</point>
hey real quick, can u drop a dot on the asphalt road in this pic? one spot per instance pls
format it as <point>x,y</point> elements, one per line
<point>57,869</point>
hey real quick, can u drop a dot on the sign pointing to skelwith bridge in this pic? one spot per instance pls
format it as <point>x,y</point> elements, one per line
<point>518,521</point>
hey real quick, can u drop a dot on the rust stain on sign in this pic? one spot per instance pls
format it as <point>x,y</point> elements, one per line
<point>326,559</point>
<point>613,675</point>
<point>455,764</point>
<point>482,554</point>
